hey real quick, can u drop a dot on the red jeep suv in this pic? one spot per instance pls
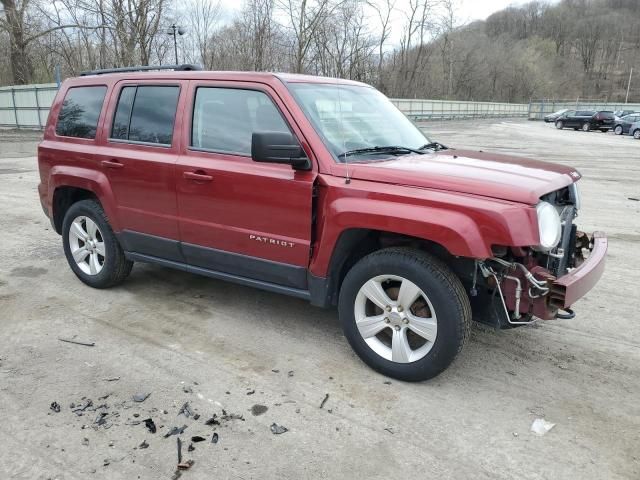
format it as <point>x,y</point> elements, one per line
<point>316,188</point>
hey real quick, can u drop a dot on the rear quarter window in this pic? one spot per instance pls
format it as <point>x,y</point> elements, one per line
<point>80,112</point>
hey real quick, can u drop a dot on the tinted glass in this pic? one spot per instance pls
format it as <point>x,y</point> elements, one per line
<point>154,111</point>
<point>120,127</point>
<point>224,119</point>
<point>80,112</point>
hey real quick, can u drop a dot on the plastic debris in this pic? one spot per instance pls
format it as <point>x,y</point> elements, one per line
<point>111,379</point>
<point>151,426</point>
<point>251,392</point>
<point>324,400</point>
<point>179,445</point>
<point>140,397</point>
<point>175,431</point>
<point>55,406</point>
<point>213,420</point>
<point>258,410</point>
<point>540,426</point>
<point>197,438</point>
<point>278,429</point>
<point>214,438</point>
<point>185,465</point>
<point>143,445</point>
<point>290,373</point>
<point>186,410</point>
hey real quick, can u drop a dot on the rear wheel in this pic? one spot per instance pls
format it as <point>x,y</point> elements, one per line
<point>559,124</point>
<point>91,248</point>
<point>404,313</point>
<point>618,130</point>
<point>586,127</point>
<point>636,134</point>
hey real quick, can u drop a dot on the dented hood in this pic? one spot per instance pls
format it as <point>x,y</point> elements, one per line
<point>505,177</point>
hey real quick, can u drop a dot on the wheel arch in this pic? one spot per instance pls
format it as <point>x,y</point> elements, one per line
<point>353,244</point>
<point>68,185</point>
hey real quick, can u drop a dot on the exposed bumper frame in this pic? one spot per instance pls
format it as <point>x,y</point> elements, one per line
<point>569,288</point>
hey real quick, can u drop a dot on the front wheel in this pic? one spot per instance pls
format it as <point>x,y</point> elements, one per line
<point>586,127</point>
<point>404,313</point>
<point>559,124</point>
<point>636,134</point>
<point>91,248</point>
<point>618,130</point>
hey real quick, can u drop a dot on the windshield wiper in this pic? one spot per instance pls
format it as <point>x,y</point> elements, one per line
<point>378,149</point>
<point>434,146</point>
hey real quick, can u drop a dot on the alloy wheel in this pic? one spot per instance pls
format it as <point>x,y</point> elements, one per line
<point>87,245</point>
<point>395,318</point>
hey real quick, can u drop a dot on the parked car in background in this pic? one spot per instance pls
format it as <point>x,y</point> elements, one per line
<point>634,130</point>
<point>552,117</point>
<point>623,113</point>
<point>623,124</point>
<point>586,120</point>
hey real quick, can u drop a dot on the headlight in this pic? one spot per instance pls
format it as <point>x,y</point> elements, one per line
<point>548,225</point>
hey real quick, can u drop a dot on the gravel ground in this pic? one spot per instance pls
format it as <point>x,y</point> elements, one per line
<point>273,359</point>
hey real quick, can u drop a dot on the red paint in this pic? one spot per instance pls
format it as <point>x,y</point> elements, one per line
<point>466,201</point>
<point>579,281</point>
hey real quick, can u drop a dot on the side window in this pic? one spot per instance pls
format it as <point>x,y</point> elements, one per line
<point>224,119</point>
<point>146,113</point>
<point>80,112</point>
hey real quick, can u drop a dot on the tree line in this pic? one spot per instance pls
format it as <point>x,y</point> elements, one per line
<point>412,48</point>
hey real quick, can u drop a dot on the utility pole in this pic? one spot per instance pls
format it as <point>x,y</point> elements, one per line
<point>175,30</point>
<point>628,86</point>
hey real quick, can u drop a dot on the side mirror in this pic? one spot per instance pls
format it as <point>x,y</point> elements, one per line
<point>278,147</point>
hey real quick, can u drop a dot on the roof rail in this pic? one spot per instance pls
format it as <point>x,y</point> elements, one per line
<point>178,68</point>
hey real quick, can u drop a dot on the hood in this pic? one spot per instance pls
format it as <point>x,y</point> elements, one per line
<point>492,175</point>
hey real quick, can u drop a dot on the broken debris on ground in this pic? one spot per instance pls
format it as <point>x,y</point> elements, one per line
<point>278,429</point>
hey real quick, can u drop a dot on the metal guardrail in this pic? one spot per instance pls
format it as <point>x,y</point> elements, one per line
<point>421,109</point>
<point>26,106</point>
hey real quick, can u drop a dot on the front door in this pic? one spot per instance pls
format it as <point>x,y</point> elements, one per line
<point>139,156</point>
<point>237,216</point>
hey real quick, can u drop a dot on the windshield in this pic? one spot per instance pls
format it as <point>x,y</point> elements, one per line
<point>351,118</point>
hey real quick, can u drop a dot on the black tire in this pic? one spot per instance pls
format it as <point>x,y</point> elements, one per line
<point>115,267</point>
<point>618,130</point>
<point>559,124</point>
<point>445,292</point>
<point>586,127</point>
<point>636,134</point>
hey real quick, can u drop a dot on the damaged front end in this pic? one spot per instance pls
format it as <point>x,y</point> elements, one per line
<point>518,285</point>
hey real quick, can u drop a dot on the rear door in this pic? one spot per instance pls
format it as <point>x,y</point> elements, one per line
<point>139,158</point>
<point>238,216</point>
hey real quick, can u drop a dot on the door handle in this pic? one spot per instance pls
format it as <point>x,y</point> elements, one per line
<point>111,164</point>
<point>198,176</point>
